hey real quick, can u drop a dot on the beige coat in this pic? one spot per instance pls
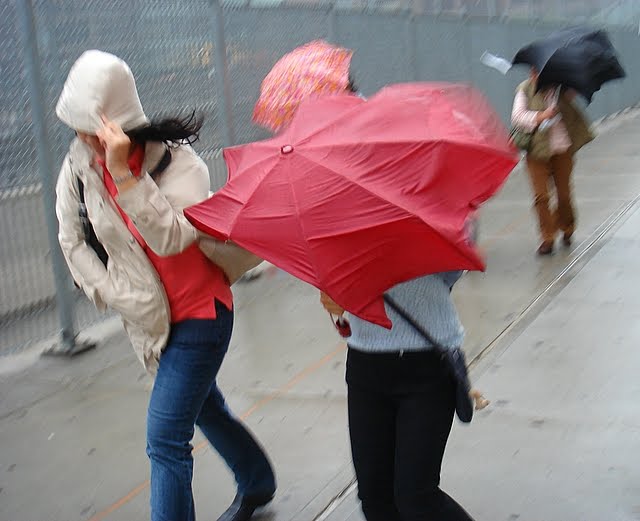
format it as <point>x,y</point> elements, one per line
<point>129,284</point>
<point>573,119</point>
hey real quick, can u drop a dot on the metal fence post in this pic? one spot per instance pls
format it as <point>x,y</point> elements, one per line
<point>491,9</point>
<point>331,24</point>
<point>412,45</point>
<point>43,149</point>
<point>563,11</point>
<point>223,81</point>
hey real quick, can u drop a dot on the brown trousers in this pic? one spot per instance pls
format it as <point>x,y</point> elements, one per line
<point>558,168</point>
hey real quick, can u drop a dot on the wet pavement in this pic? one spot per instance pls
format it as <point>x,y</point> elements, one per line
<point>558,341</point>
<point>561,438</point>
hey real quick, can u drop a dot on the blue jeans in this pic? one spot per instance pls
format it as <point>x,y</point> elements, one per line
<point>185,394</point>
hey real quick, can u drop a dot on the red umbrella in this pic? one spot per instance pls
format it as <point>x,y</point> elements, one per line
<point>357,196</point>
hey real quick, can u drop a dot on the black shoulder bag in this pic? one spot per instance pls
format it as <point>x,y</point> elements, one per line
<point>90,236</point>
<point>89,233</point>
<point>453,359</point>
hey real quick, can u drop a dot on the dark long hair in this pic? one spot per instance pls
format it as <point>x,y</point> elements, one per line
<point>352,86</point>
<point>171,131</point>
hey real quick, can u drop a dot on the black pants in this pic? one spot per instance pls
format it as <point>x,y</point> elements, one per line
<point>400,414</point>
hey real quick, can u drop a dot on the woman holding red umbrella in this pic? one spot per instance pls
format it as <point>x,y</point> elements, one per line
<point>401,396</point>
<point>348,220</point>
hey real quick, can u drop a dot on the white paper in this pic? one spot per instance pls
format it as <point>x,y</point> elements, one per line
<point>554,101</point>
<point>549,122</point>
<point>502,65</point>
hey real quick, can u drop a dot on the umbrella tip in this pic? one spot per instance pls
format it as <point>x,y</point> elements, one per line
<point>287,149</point>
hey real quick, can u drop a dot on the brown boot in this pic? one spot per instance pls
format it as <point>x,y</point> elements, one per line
<point>546,248</point>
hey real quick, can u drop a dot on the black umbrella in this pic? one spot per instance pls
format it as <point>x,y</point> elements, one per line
<point>580,58</point>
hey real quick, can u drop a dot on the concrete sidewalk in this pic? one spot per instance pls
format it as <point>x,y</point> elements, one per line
<point>72,431</point>
<point>561,441</point>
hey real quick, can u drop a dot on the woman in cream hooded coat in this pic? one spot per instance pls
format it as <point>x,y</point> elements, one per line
<point>175,303</point>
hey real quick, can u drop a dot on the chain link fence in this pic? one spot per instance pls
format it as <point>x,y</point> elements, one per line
<point>184,53</point>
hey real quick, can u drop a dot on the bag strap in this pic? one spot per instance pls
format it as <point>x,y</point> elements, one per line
<point>413,323</point>
<point>80,189</point>
<point>79,182</point>
<point>163,164</point>
<point>82,207</point>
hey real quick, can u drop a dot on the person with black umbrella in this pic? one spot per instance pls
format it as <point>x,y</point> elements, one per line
<point>557,130</point>
<point>579,58</point>
<point>549,127</point>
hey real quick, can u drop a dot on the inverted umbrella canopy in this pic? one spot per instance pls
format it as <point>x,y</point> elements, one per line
<point>357,196</point>
<point>539,52</point>
<point>580,58</point>
<point>317,68</point>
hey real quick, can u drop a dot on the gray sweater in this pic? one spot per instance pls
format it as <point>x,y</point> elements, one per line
<point>426,299</point>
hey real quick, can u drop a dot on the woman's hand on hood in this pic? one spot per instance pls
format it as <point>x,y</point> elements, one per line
<point>117,146</point>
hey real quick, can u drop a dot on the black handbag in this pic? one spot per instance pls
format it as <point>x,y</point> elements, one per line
<point>454,361</point>
<point>90,236</point>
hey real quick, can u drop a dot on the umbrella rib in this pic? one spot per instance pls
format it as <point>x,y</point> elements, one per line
<point>301,228</point>
<point>343,115</point>
<point>248,199</point>
<point>369,191</point>
<point>254,164</point>
<point>481,148</point>
<point>303,231</point>
<point>474,146</point>
<point>352,182</point>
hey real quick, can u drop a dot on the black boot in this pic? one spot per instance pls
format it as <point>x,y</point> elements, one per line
<point>243,507</point>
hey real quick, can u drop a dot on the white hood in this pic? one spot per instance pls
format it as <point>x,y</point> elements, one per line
<point>100,83</point>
